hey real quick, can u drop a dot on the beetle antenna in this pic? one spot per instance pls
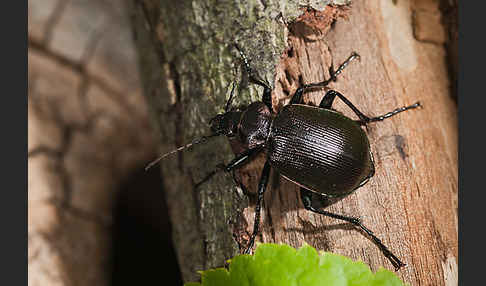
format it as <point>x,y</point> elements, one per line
<point>194,142</point>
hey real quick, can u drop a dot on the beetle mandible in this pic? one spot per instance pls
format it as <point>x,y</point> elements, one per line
<point>321,150</point>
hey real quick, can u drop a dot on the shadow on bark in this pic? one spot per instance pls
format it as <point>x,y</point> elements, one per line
<point>143,253</point>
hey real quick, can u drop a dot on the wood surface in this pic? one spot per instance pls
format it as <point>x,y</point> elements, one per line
<point>410,203</point>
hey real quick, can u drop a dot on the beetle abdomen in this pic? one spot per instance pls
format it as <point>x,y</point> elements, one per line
<point>319,149</point>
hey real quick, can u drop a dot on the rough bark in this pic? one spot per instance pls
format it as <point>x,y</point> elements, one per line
<point>88,129</point>
<point>411,203</point>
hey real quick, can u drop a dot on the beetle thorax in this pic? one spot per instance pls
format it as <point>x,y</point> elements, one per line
<point>254,125</point>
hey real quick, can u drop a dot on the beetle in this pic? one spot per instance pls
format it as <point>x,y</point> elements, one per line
<point>323,151</point>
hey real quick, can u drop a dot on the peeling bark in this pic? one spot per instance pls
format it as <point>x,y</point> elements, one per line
<point>187,68</point>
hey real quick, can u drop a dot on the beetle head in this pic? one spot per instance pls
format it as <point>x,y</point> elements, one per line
<point>225,123</point>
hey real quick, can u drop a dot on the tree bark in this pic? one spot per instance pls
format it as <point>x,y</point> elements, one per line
<point>88,129</point>
<point>411,202</point>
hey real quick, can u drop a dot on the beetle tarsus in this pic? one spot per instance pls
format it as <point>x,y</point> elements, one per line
<point>354,55</point>
<point>334,74</point>
<point>386,252</point>
<point>389,114</point>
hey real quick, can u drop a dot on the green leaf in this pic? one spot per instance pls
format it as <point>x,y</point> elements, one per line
<point>282,265</point>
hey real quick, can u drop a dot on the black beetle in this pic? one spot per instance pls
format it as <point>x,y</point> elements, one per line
<point>317,148</point>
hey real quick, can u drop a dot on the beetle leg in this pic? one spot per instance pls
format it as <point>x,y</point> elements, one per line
<point>306,197</point>
<point>328,99</point>
<point>363,119</point>
<point>237,162</point>
<point>262,186</point>
<point>267,90</point>
<point>361,116</point>
<point>297,97</point>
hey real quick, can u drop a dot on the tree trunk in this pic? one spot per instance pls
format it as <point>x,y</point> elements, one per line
<point>88,129</point>
<point>188,64</point>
